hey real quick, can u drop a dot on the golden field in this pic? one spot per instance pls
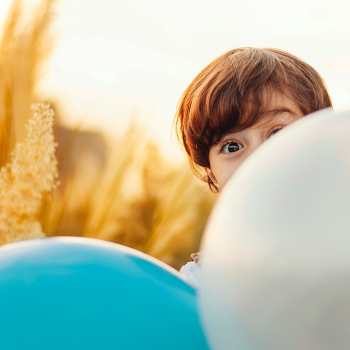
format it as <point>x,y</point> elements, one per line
<point>56,181</point>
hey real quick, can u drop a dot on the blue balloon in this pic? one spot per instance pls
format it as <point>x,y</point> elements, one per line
<point>79,293</point>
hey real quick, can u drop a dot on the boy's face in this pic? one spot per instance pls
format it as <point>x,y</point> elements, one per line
<point>233,149</point>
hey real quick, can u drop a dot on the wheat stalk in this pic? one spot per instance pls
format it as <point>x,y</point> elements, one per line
<point>31,173</point>
<point>25,44</point>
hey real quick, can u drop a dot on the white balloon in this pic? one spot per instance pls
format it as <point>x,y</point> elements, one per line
<point>276,263</point>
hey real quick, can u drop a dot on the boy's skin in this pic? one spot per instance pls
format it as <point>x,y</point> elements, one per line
<point>276,86</point>
<point>282,112</point>
<point>231,151</point>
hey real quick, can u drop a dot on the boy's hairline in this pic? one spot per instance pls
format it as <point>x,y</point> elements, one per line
<point>201,110</point>
<point>271,113</point>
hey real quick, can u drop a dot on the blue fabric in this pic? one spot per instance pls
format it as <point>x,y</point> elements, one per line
<point>78,293</point>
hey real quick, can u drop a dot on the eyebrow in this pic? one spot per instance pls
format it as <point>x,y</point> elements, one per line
<point>272,112</point>
<point>279,110</point>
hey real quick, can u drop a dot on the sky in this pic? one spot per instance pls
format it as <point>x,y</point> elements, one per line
<point>117,57</point>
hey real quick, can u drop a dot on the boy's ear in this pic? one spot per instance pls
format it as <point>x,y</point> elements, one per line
<point>212,177</point>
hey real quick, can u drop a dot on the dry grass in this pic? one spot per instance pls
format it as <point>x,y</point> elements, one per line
<point>136,199</point>
<point>27,178</point>
<point>25,44</point>
<point>121,191</point>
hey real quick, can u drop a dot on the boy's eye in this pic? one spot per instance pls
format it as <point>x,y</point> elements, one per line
<point>276,131</point>
<point>231,147</point>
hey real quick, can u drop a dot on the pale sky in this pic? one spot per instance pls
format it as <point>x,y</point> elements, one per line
<point>115,56</point>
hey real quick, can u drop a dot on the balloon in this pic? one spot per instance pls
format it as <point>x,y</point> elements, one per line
<point>80,293</point>
<point>276,263</point>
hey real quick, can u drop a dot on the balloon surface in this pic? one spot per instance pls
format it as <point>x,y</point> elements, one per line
<point>276,263</point>
<point>80,293</point>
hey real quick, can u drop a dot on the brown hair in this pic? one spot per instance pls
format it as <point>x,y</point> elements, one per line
<point>230,94</point>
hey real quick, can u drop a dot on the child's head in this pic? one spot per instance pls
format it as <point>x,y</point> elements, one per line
<point>238,101</point>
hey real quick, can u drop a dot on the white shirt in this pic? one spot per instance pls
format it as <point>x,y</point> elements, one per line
<point>192,273</point>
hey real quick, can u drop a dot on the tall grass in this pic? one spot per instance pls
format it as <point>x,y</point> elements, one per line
<point>27,178</point>
<point>136,198</point>
<point>120,190</point>
<point>25,44</point>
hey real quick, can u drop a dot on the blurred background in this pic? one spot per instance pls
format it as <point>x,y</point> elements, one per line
<point>113,70</point>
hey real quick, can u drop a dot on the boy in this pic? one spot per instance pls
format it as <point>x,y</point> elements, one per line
<point>237,102</point>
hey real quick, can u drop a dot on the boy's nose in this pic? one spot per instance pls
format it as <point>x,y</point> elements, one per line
<point>254,145</point>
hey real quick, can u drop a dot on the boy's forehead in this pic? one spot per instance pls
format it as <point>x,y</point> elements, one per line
<point>259,109</point>
<point>277,117</point>
<point>276,105</point>
<point>275,100</point>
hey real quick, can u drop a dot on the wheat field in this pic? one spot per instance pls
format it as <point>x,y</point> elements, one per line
<point>78,183</point>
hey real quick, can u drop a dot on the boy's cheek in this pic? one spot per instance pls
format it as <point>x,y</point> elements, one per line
<point>225,174</point>
<point>223,167</point>
<point>227,170</point>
